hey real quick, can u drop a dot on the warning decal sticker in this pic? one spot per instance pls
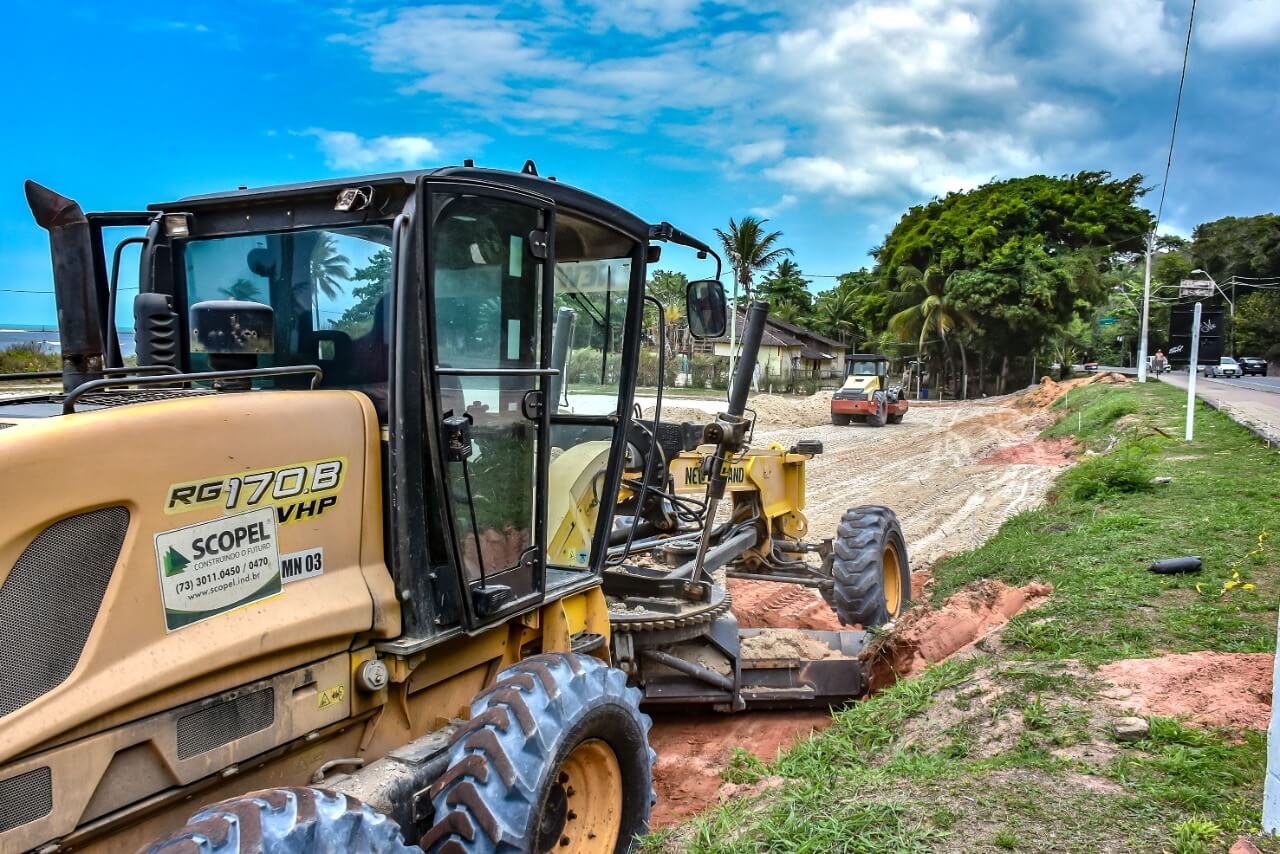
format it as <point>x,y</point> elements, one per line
<point>213,567</point>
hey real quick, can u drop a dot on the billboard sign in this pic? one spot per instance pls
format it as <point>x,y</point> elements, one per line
<point>1180,320</point>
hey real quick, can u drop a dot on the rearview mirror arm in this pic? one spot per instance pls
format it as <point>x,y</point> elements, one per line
<point>668,233</point>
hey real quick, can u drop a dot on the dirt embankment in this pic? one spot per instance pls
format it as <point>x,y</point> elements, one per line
<point>1206,688</point>
<point>1049,390</point>
<point>927,635</point>
<point>693,751</point>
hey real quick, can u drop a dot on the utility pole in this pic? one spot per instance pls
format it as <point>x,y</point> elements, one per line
<point>1146,312</point>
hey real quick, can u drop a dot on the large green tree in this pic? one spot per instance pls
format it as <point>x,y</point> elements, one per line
<point>1022,257</point>
<point>751,248</point>
<point>1238,246</point>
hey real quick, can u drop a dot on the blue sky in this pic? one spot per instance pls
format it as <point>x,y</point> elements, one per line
<point>828,117</point>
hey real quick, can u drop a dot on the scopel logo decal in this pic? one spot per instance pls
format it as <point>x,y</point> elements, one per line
<point>214,567</point>
<point>296,492</point>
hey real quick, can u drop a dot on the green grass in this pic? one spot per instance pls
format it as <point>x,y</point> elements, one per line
<point>25,359</point>
<point>984,754</point>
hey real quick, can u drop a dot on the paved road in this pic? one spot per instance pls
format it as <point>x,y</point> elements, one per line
<point>1254,401</point>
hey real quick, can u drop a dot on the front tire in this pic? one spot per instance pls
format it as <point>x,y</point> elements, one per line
<point>287,821</point>
<point>878,418</point>
<point>556,757</point>
<point>869,568</point>
<point>840,420</point>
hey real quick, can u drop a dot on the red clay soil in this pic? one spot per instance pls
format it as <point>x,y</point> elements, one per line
<point>1050,452</point>
<point>1207,688</point>
<point>694,749</point>
<point>926,635</point>
<point>769,605</point>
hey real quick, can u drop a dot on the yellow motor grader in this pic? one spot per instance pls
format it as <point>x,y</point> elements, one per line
<point>369,545</point>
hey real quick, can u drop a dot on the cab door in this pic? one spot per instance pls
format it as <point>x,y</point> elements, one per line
<point>488,262</point>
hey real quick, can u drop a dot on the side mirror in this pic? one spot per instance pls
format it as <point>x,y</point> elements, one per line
<point>706,308</point>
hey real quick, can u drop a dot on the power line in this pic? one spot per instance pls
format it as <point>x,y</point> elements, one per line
<point>1177,110</point>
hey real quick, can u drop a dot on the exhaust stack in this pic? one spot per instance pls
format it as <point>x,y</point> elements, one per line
<point>79,324</point>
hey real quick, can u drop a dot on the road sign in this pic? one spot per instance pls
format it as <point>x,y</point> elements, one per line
<point>1196,288</point>
<point>1106,321</point>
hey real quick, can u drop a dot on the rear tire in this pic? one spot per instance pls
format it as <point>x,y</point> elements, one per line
<point>286,821</point>
<point>869,568</point>
<point>839,420</point>
<point>556,757</point>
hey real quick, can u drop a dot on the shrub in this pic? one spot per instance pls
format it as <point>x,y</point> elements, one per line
<point>24,358</point>
<point>1125,470</point>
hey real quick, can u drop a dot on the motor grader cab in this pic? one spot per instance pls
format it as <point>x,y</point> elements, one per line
<point>360,550</point>
<point>867,397</point>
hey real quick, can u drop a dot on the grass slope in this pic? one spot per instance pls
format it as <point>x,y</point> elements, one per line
<point>1011,750</point>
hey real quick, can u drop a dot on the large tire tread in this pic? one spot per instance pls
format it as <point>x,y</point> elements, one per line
<point>286,821</point>
<point>501,760</point>
<point>858,595</point>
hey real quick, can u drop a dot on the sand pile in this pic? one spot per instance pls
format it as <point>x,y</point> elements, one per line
<point>1049,390</point>
<point>1207,688</point>
<point>786,643</point>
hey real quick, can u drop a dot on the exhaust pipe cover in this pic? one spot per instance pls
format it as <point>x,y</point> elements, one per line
<point>71,249</point>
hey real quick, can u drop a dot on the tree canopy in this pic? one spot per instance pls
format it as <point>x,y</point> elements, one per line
<point>1021,256</point>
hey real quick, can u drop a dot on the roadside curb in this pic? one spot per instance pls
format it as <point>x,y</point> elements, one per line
<point>1269,437</point>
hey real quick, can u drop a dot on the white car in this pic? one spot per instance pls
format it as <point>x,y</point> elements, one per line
<point>1226,368</point>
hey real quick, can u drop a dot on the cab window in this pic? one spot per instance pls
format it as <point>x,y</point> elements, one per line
<point>329,291</point>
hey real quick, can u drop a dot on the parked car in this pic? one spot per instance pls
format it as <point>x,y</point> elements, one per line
<point>1226,368</point>
<point>1091,366</point>
<point>1253,365</point>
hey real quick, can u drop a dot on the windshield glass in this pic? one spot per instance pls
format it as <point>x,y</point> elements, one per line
<point>328,289</point>
<point>1227,360</point>
<point>864,368</point>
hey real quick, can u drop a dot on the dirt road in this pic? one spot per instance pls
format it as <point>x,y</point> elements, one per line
<point>953,473</point>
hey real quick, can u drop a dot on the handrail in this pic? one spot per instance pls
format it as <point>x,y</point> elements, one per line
<point>69,402</point>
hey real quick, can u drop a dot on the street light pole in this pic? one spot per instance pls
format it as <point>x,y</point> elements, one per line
<point>1146,312</point>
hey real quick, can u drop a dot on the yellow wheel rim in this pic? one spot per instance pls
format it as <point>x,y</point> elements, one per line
<point>583,812</point>
<point>892,581</point>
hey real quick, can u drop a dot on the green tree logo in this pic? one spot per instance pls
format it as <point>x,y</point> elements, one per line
<point>174,562</point>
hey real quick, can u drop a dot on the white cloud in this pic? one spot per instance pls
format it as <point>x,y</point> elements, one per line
<point>788,200</point>
<point>458,51</point>
<point>346,150</point>
<point>838,98</point>
<point>1231,24</point>
<point>754,152</point>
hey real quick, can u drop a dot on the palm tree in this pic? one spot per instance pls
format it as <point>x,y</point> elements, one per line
<point>836,313</point>
<point>784,285</point>
<point>750,248</point>
<point>328,266</point>
<point>241,289</point>
<point>926,307</point>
